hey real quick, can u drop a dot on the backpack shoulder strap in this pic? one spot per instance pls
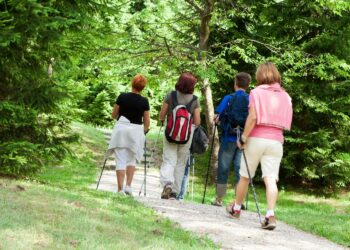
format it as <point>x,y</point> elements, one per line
<point>229,103</point>
<point>188,105</point>
<point>174,98</point>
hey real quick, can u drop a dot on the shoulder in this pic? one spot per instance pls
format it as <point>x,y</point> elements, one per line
<point>121,96</point>
<point>143,98</point>
<point>168,96</point>
<point>228,97</point>
<point>196,101</point>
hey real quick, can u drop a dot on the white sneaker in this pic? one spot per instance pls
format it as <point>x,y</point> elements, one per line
<point>121,192</point>
<point>128,190</point>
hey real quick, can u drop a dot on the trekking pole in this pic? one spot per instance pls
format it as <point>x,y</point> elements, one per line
<point>251,183</point>
<point>104,164</point>
<point>192,176</point>
<point>211,152</point>
<point>188,169</point>
<point>152,152</point>
<point>145,168</point>
<point>246,201</point>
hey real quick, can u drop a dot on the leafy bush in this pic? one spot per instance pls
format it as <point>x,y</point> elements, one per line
<point>35,108</point>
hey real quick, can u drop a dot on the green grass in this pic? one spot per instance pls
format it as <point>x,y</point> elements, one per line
<point>46,217</point>
<point>326,217</point>
<point>56,209</point>
<point>78,169</point>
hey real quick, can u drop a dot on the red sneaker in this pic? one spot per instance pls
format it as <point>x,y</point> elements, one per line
<point>233,213</point>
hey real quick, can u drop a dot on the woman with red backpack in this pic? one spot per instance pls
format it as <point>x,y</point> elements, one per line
<point>182,110</point>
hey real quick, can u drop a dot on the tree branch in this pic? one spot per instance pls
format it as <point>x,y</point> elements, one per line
<point>129,52</point>
<point>196,6</point>
<point>167,46</point>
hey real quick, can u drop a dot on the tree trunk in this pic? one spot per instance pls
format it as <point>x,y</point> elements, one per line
<point>205,16</point>
<point>209,115</point>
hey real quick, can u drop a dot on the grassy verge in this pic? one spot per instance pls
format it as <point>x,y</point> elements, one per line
<point>58,210</point>
<point>79,169</point>
<point>326,217</point>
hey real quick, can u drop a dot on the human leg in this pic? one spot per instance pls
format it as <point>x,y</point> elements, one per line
<point>120,179</point>
<point>184,182</point>
<point>270,164</point>
<point>130,170</point>
<point>120,158</point>
<point>183,154</point>
<point>271,192</point>
<point>253,153</point>
<point>242,188</point>
<point>167,168</point>
<point>226,154</point>
<point>169,162</point>
<point>237,163</point>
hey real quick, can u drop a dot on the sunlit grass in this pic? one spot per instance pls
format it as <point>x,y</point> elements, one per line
<point>57,209</point>
<point>46,217</point>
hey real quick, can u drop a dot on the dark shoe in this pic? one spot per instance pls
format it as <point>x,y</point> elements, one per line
<point>217,202</point>
<point>233,213</point>
<point>269,223</point>
<point>166,192</point>
<point>172,196</point>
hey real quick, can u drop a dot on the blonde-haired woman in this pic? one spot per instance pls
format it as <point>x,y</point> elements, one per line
<point>270,112</point>
<point>127,141</point>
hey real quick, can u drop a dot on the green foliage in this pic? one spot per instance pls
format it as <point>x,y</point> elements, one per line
<point>99,48</point>
<point>99,111</point>
<point>34,107</point>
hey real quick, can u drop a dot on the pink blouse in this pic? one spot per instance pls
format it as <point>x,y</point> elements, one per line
<point>273,108</point>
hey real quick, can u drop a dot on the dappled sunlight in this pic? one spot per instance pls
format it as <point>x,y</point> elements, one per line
<point>28,238</point>
<point>341,206</point>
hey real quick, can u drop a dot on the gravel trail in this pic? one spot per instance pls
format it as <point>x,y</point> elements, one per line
<point>211,221</point>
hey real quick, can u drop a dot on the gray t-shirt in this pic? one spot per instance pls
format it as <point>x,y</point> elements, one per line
<point>182,99</point>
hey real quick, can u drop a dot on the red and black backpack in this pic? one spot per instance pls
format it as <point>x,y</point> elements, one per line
<point>179,121</point>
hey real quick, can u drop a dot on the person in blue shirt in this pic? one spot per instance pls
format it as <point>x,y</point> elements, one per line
<point>229,152</point>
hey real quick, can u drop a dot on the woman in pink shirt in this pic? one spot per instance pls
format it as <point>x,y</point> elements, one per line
<point>270,112</point>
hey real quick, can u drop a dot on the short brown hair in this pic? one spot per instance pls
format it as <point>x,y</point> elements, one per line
<point>242,80</point>
<point>186,83</point>
<point>139,82</point>
<point>267,73</point>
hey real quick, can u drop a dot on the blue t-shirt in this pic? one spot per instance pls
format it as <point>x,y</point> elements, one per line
<point>222,106</point>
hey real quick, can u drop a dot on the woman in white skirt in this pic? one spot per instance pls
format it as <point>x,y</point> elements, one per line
<point>133,119</point>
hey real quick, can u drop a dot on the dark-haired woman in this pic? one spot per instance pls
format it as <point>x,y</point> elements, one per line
<point>175,155</point>
<point>133,119</point>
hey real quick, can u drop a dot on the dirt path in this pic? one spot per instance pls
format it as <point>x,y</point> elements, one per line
<point>211,221</point>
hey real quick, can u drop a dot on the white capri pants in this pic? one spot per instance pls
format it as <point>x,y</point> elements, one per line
<point>267,152</point>
<point>124,157</point>
<point>175,157</point>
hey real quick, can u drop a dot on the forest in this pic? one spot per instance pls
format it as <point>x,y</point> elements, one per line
<point>64,61</point>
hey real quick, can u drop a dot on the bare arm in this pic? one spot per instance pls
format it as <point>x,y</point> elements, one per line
<point>197,117</point>
<point>146,121</point>
<point>115,112</point>
<point>163,112</point>
<point>249,125</point>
